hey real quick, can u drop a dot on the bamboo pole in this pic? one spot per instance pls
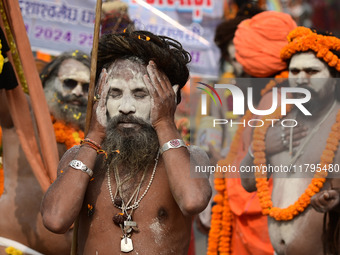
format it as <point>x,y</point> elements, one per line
<point>94,55</point>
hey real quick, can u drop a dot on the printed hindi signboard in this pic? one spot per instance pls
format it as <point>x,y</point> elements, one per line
<point>55,26</point>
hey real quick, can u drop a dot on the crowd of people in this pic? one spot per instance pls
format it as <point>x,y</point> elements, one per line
<point>125,186</point>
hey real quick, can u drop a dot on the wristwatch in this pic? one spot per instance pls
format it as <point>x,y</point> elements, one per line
<point>172,144</point>
<point>77,164</point>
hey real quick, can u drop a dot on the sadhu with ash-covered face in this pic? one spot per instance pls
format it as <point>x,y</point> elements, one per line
<point>130,179</point>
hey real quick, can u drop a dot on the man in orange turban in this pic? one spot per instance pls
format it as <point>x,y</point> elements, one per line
<point>258,42</point>
<point>295,227</point>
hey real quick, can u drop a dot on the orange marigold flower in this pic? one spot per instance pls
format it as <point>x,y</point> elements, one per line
<point>334,61</point>
<point>218,198</point>
<point>217,208</point>
<point>328,57</point>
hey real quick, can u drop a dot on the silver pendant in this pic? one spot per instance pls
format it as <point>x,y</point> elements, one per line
<point>130,224</point>
<point>126,244</point>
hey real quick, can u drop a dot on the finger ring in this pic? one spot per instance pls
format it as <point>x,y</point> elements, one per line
<point>283,139</point>
<point>96,98</point>
<point>283,136</point>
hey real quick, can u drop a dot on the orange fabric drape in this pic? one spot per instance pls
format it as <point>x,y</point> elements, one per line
<point>43,164</point>
<point>21,117</point>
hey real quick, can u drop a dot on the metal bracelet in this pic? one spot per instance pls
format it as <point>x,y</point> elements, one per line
<point>78,165</point>
<point>172,144</point>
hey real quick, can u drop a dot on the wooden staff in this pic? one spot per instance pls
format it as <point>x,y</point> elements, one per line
<point>94,55</point>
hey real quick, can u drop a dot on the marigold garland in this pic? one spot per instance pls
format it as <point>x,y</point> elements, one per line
<point>327,157</point>
<point>220,234</point>
<point>66,134</point>
<point>302,39</point>
<point>219,239</point>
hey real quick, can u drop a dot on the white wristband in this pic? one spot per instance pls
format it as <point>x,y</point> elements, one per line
<point>172,144</point>
<point>77,164</point>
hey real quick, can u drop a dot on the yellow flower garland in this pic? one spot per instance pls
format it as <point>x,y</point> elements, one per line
<point>314,187</point>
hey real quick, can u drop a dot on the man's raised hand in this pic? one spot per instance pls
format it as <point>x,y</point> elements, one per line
<point>163,95</point>
<point>99,120</point>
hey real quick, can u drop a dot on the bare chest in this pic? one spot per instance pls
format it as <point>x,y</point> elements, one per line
<point>302,235</point>
<point>159,227</point>
<point>303,161</point>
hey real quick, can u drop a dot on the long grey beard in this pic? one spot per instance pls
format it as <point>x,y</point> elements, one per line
<point>61,109</point>
<point>137,148</point>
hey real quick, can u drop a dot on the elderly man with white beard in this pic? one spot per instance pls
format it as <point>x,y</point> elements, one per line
<point>129,181</point>
<point>312,155</point>
<point>66,84</point>
<point>65,81</point>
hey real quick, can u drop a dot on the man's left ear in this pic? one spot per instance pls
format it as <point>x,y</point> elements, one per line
<point>175,88</point>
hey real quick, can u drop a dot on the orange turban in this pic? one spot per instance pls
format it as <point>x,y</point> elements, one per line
<point>259,40</point>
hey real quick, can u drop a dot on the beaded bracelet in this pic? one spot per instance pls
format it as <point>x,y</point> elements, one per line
<point>92,144</point>
<point>88,140</point>
<point>102,152</point>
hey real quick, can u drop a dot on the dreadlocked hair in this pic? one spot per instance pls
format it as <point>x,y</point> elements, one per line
<point>167,53</point>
